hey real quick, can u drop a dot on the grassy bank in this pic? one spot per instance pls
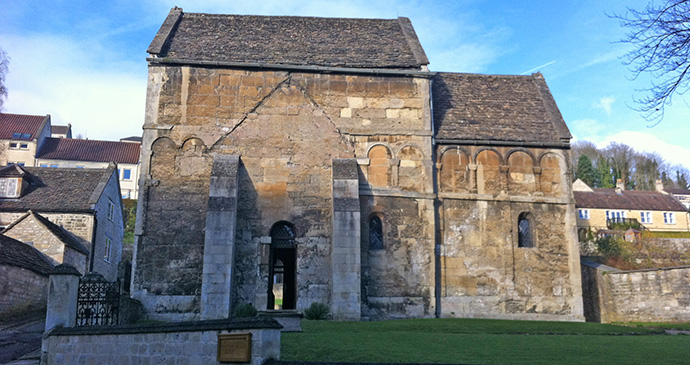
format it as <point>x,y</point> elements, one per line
<point>477,341</point>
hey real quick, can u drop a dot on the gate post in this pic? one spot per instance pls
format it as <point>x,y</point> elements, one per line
<point>62,297</point>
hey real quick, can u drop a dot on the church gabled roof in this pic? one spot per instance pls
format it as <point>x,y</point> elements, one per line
<point>496,108</point>
<point>289,40</point>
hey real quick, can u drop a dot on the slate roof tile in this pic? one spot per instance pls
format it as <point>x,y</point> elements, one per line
<point>627,199</point>
<point>289,40</point>
<point>496,108</point>
<point>59,190</point>
<point>17,253</point>
<point>89,150</point>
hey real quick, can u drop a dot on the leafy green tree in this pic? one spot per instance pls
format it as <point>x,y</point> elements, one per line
<point>605,178</point>
<point>682,179</point>
<point>585,170</point>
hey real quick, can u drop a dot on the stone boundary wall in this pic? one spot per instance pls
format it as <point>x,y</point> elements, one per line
<point>651,295</point>
<point>166,343</point>
<point>21,291</point>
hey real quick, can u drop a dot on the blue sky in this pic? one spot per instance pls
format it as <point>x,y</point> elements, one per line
<point>84,62</point>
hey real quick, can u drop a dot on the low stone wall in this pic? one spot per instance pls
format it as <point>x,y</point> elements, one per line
<point>652,295</point>
<point>21,291</point>
<point>163,343</point>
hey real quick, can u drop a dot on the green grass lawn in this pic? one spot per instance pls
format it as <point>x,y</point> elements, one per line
<point>478,341</point>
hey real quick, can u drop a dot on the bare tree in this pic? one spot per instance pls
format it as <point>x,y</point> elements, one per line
<point>4,67</point>
<point>620,157</point>
<point>661,36</point>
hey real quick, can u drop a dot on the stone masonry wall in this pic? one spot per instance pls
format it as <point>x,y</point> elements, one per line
<point>286,127</point>
<point>32,232</point>
<point>398,280</point>
<point>655,295</point>
<point>174,347</point>
<point>111,228</point>
<point>483,271</point>
<point>21,291</point>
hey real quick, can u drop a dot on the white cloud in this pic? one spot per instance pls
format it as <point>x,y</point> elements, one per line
<point>77,84</point>
<point>605,104</point>
<point>645,142</point>
<point>586,128</point>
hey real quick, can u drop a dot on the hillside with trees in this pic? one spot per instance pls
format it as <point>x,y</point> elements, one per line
<point>600,168</point>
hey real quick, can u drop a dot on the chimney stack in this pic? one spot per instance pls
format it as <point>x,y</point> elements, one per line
<point>620,186</point>
<point>660,186</point>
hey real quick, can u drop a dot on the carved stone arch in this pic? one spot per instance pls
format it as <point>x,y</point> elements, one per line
<point>454,170</point>
<point>379,171</point>
<point>162,160</point>
<point>553,173</point>
<point>193,145</point>
<point>489,180</point>
<point>457,148</point>
<point>388,146</point>
<point>515,150</point>
<point>475,159</point>
<point>192,158</point>
<point>411,168</point>
<point>521,176</point>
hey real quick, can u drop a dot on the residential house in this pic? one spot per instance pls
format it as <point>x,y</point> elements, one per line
<point>682,195</point>
<point>321,155</point>
<point>52,240</point>
<point>21,137</point>
<point>61,131</point>
<point>93,154</point>
<point>85,202</point>
<point>605,209</point>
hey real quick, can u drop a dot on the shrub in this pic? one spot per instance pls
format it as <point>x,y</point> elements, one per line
<point>317,311</point>
<point>246,310</point>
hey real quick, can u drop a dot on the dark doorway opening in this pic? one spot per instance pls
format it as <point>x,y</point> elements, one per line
<point>282,275</point>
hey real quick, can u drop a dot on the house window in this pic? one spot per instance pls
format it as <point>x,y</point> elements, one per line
<point>583,213</point>
<point>646,217</point>
<point>43,165</point>
<point>111,210</point>
<point>52,165</point>
<point>80,167</point>
<point>13,144</point>
<point>108,248</point>
<point>525,231</point>
<point>23,146</point>
<point>615,216</point>
<point>669,218</point>
<point>126,174</point>
<point>375,233</point>
<point>16,135</point>
<point>21,164</point>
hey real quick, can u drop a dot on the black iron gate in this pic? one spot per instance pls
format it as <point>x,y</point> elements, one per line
<point>98,301</point>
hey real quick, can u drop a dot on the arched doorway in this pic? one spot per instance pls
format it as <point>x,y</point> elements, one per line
<point>282,283</point>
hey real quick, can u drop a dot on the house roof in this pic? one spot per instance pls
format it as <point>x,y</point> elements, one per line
<point>506,108</point>
<point>17,253</point>
<point>289,40</point>
<point>678,191</point>
<point>67,190</point>
<point>60,129</point>
<point>89,150</point>
<point>627,199</point>
<point>59,232</point>
<point>20,126</point>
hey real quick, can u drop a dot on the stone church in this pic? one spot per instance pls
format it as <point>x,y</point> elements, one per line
<point>293,160</point>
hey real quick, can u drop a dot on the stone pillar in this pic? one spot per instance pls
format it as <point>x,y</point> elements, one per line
<point>62,297</point>
<point>219,240</point>
<point>345,252</point>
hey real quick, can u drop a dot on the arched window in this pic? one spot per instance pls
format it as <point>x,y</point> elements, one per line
<point>525,238</point>
<point>375,233</point>
<point>282,275</point>
<point>282,235</point>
